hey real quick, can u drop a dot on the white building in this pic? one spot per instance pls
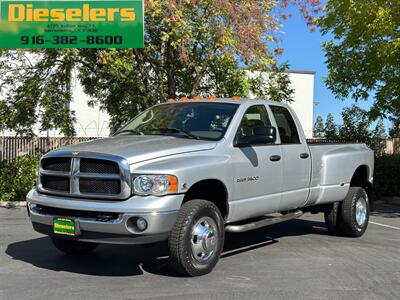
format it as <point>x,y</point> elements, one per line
<point>303,86</point>
<point>92,122</point>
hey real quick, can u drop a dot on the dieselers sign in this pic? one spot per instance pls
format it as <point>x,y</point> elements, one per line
<point>71,24</point>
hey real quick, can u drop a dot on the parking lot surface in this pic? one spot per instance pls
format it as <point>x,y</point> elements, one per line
<point>292,260</point>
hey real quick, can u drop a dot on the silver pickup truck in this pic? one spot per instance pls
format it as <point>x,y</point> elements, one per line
<point>187,172</point>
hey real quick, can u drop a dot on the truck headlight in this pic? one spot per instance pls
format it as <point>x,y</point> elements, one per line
<point>158,185</point>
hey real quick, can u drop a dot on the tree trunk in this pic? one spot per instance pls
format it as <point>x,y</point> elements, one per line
<point>170,71</point>
<point>196,84</point>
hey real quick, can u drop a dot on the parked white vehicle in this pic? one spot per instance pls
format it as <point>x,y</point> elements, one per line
<point>189,171</point>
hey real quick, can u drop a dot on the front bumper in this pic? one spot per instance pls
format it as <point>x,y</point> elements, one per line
<point>160,214</point>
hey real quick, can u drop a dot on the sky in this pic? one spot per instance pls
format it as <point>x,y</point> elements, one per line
<point>303,51</point>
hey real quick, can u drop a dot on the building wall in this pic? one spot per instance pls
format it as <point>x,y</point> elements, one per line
<point>303,105</point>
<point>302,82</point>
<point>91,121</point>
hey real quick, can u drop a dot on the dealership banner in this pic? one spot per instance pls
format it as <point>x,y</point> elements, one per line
<point>71,24</point>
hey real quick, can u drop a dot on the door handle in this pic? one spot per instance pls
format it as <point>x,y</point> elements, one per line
<point>304,155</point>
<point>275,158</point>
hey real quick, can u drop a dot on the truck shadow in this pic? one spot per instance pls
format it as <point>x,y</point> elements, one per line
<point>127,260</point>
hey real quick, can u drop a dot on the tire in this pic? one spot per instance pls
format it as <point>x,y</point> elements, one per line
<point>73,247</point>
<point>355,212</point>
<point>197,238</point>
<point>333,217</point>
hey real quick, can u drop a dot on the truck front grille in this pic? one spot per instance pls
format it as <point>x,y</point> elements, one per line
<point>89,177</point>
<point>62,164</point>
<point>99,186</point>
<point>55,183</point>
<point>89,165</point>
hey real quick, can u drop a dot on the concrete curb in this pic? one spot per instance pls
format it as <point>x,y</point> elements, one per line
<point>12,204</point>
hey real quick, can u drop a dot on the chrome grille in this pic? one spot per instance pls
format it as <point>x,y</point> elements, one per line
<point>97,177</point>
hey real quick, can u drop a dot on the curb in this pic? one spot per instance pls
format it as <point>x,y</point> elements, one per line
<point>12,204</point>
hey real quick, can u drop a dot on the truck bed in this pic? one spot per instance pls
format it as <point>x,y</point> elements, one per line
<point>333,165</point>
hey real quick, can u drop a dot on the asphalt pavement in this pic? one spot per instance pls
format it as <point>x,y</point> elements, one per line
<point>292,260</point>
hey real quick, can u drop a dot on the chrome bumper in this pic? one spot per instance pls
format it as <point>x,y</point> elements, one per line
<point>118,230</point>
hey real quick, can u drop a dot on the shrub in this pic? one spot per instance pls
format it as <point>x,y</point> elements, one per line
<point>18,177</point>
<point>387,176</point>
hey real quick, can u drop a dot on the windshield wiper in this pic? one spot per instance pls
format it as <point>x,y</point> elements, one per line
<point>176,131</point>
<point>132,131</point>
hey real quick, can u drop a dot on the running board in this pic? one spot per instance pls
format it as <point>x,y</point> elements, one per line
<point>263,222</point>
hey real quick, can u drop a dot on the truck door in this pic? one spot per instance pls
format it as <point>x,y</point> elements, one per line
<point>295,158</point>
<point>257,170</point>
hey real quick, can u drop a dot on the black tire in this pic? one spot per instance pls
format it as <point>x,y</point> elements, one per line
<point>73,247</point>
<point>349,225</point>
<point>191,215</point>
<point>333,217</point>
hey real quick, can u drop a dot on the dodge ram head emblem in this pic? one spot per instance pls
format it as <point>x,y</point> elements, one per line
<point>75,153</point>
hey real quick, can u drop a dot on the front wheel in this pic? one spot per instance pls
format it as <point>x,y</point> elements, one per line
<point>73,247</point>
<point>196,241</point>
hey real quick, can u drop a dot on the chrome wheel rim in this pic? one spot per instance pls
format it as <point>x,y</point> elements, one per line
<point>204,239</point>
<point>361,212</point>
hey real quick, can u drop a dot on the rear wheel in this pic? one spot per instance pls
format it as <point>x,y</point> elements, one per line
<point>355,212</point>
<point>197,239</point>
<point>349,217</point>
<point>73,247</point>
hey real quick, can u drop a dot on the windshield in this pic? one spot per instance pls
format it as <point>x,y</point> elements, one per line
<point>187,120</point>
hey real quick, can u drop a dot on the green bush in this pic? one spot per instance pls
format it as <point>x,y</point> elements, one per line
<point>18,177</point>
<point>387,176</point>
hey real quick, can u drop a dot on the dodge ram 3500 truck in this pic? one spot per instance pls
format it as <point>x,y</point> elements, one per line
<point>189,171</point>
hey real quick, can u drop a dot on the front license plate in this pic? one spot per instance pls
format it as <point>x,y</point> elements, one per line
<point>64,226</point>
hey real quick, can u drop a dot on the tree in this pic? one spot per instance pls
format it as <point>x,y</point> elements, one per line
<point>379,132</point>
<point>363,59</point>
<point>378,138</point>
<point>355,125</point>
<point>274,85</point>
<point>394,131</point>
<point>331,130</point>
<point>192,47</point>
<point>319,128</point>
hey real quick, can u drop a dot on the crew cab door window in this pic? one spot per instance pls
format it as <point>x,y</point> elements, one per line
<point>286,125</point>
<point>255,116</point>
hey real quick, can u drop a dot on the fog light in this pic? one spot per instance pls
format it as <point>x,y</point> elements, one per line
<point>141,224</point>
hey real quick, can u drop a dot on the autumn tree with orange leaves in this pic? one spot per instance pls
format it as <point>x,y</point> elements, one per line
<point>192,47</point>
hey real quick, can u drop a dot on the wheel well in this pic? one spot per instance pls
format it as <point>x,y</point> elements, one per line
<point>212,190</point>
<point>360,179</point>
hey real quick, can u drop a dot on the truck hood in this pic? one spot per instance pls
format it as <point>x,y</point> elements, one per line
<point>140,148</point>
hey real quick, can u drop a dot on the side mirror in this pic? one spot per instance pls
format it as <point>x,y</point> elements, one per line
<point>261,135</point>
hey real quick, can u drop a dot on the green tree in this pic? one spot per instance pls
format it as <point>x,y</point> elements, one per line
<point>379,132</point>
<point>363,58</point>
<point>274,85</point>
<point>331,129</point>
<point>355,125</point>
<point>394,131</point>
<point>191,48</point>
<point>319,128</point>
<point>378,138</point>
